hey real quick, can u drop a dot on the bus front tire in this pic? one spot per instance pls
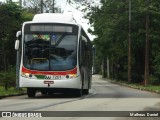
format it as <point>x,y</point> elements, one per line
<point>31,92</point>
<point>85,91</point>
<point>80,93</point>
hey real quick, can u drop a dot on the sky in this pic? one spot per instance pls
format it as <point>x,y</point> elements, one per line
<point>78,15</point>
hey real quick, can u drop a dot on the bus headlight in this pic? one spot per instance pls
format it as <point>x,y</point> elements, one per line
<point>71,76</point>
<point>27,75</point>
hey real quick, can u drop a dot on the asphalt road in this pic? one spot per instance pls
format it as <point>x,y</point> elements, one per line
<point>104,96</point>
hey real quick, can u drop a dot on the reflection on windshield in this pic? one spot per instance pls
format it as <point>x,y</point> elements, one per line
<point>50,52</point>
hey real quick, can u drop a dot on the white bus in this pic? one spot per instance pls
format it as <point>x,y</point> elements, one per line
<point>54,55</point>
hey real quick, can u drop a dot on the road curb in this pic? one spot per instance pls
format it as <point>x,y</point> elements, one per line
<point>142,89</point>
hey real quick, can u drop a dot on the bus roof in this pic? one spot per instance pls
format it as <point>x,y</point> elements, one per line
<point>54,17</point>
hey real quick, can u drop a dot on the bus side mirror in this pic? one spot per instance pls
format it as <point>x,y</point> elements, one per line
<point>17,45</point>
<point>17,41</point>
<point>18,34</point>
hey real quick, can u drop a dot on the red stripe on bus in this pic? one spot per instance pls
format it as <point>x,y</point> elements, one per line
<point>73,71</point>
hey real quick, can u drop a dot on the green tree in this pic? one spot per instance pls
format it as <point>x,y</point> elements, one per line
<point>40,6</point>
<point>8,78</point>
<point>12,16</point>
<point>10,22</point>
<point>110,22</point>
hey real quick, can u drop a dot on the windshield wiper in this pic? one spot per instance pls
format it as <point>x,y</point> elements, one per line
<point>60,39</point>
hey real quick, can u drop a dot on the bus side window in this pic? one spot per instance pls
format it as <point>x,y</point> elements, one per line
<point>84,50</point>
<point>81,50</point>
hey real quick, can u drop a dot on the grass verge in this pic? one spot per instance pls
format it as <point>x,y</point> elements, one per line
<point>152,88</point>
<point>10,91</point>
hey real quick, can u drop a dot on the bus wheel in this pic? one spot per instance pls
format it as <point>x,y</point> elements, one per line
<point>85,91</point>
<point>79,92</point>
<point>31,92</point>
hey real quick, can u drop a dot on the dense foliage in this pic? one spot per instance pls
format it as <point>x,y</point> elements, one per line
<point>110,22</point>
<point>11,18</point>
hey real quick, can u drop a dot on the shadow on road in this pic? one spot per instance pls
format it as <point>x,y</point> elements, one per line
<point>55,96</point>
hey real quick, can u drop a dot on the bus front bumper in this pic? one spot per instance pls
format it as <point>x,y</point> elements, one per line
<point>74,83</point>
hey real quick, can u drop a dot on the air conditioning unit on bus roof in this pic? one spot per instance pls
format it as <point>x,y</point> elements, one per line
<point>54,17</point>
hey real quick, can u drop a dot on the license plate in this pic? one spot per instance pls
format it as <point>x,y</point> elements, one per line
<point>48,82</point>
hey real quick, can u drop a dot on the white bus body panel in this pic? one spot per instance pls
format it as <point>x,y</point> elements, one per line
<point>54,17</point>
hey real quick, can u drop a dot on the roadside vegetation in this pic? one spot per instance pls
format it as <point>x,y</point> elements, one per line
<point>11,91</point>
<point>149,87</point>
<point>11,18</point>
<point>111,26</point>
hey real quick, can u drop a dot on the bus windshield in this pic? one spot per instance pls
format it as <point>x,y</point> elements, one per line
<point>50,50</point>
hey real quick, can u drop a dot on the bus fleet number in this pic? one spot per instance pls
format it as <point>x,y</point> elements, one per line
<point>53,77</point>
